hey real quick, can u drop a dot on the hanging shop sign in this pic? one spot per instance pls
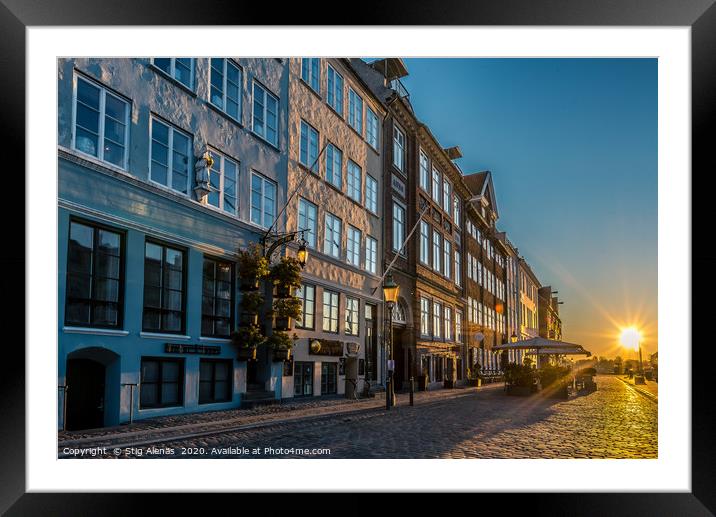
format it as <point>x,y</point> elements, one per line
<point>326,347</point>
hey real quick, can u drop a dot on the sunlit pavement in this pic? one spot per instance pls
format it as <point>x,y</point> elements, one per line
<point>613,422</point>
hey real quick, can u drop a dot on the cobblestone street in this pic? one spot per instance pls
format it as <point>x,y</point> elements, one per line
<point>613,422</point>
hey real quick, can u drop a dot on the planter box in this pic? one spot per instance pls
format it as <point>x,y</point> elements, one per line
<point>281,355</point>
<point>283,324</point>
<point>247,284</point>
<point>246,354</point>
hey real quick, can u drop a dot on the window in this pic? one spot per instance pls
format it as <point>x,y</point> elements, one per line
<point>330,311</point>
<point>355,181</point>
<point>355,111</point>
<point>170,153</point>
<point>456,210</point>
<point>398,148</point>
<point>436,185</point>
<point>263,200</point>
<point>334,166</point>
<point>448,324</point>
<point>446,195</point>
<point>437,319</point>
<point>424,316</point>
<point>164,289</point>
<point>95,283</point>
<point>101,123</point>
<point>372,128</point>
<point>458,326</point>
<point>371,193</point>
<point>265,119</point>
<point>311,72</point>
<point>329,376</point>
<point>307,294</point>
<point>335,90</point>
<point>424,243</point>
<point>308,152</point>
<point>332,236</point>
<point>217,302</point>
<point>353,243</point>
<point>424,168</point>
<point>398,226</point>
<point>215,378</point>
<point>436,251</point>
<point>307,220</point>
<point>180,68</point>
<point>352,316</point>
<point>458,278</point>
<point>447,259</point>
<point>225,90</point>
<point>371,255</point>
<point>223,177</point>
<point>161,383</point>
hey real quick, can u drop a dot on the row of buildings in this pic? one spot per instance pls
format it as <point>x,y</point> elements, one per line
<point>329,147</point>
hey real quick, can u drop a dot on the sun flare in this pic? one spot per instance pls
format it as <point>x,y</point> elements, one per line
<point>630,338</point>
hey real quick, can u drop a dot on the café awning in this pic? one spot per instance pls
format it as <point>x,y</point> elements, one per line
<point>559,351</point>
<point>539,343</point>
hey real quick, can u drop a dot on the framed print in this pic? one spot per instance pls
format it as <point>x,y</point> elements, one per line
<point>463,249</point>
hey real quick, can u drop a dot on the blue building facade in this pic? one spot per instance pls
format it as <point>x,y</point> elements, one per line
<point>165,168</point>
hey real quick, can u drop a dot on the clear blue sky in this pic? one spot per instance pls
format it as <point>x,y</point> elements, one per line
<point>572,144</point>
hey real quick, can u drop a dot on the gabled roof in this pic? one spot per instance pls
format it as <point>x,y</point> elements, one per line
<point>480,185</point>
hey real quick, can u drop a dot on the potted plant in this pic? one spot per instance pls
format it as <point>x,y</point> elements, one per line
<point>520,379</point>
<point>247,339</point>
<point>252,267</point>
<point>285,310</point>
<point>251,303</point>
<point>281,345</point>
<point>286,275</point>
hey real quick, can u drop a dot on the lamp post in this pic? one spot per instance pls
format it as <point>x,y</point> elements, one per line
<point>390,294</point>
<point>513,339</point>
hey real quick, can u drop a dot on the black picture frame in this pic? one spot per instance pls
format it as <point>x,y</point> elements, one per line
<point>17,15</point>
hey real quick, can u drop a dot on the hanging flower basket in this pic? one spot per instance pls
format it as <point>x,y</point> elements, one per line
<point>252,267</point>
<point>281,345</point>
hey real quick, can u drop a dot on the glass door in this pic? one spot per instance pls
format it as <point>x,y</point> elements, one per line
<point>302,379</point>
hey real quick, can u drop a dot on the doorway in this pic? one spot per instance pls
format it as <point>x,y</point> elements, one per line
<point>302,379</point>
<point>85,394</point>
<point>399,358</point>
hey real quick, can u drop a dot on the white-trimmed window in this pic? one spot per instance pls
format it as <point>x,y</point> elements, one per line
<point>437,319</point>
<point>355,110</point>
<point>263,200</point>
<point>446,195</point>
<point>425,243</point>
<point>372,128</point>
<point>179,68</point>
<point>436,251</point>
<point>334,166</point>
<point>330,311</point>
<point>448,324</point>
<point>225,89</point>
<point>355,181</point>
<point>458,326</point>
<point>353,243</point>
<point>223,177</point>
<point>101,123</point>
<point>424,316</point>
<point>311,72</point>
<point>398,226</point>
<point>456,210</point>
<point>334,96</point>
<point>436,185</point>
<point>447,259</point>
<point>308,152</point>
<point>170,153</point>
<point>424,171</point>
<point>371,254</point>
<point>307,220</point>
<point>371,193</point>
<point>332,235</point>
<point>265,114</point>
<point>307,294</point>
<point>458,276</point>
<point>398,148</point>
<point>352,312</point>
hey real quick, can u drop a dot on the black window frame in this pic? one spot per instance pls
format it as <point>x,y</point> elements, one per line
<point>232,300</point>
<point>122,271</point>
<point>180,381</point>
<point>185,267</point>
<point>229,382</point>
<point>329,372</point>
<point>300,323</point>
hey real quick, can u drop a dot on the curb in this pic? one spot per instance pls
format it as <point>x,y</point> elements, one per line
<point>645,393</point>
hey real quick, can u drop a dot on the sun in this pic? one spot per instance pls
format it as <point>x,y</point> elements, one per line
<point>630,338</point>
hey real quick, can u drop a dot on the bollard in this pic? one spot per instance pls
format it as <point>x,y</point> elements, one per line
<point>412,389</point>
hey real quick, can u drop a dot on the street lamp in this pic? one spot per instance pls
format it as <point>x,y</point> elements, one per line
<point>390,294</point>
<point>302,253</point>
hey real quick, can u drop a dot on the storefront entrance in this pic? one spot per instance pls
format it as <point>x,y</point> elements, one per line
<point>85,394</point>
<point>302,379</point>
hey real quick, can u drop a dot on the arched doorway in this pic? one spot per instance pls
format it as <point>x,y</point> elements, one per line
<point>92,397</point>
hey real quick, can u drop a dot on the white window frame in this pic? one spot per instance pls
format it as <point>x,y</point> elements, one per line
<point>328,318</point>
<point>354,185</point>
<point>330,151</point>
<point>371,255</point>
<point>226,63</point>
<point>437,319</point>
<point>264,180</point>
<point>172,71</point>
<point>334,93</point>
<point>311,73</point>
<point>371,194</point>
<point>437,251</point>
<point>353,247</point>
<point>330,232</point>
<point>447,257</point>
<point>223,158</point>
<point>447,321</point>
<point>313,230</point>
<point>458,275</point>
<point>310,160</point>
<point>424,171</point>
<point>447,190</point>
<point>398,224</point>
<point>424,243</point>
<point>436,185</point>
<point>424,316</point>
<point>372,135</point>
<point>350,300</point>
<point>170,157</point>
<point>355,119</point>
<point>399,157</point>
<point>103,91</point>
<point>266,95</point>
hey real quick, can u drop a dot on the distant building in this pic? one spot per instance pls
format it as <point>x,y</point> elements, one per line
<point>550,324</point>
<point>528,299</point>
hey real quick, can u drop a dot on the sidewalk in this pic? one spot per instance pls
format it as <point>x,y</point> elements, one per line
<point>213,421</point>
<point>650,389</point>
